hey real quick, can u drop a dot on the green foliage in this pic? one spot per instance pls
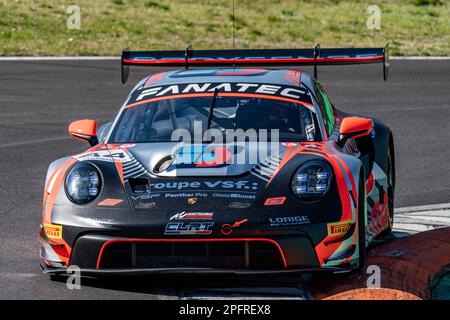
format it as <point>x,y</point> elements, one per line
<point>427,2</point>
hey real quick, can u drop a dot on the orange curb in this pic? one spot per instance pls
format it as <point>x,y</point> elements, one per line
<point>373,294</point>
<point>407,266</point>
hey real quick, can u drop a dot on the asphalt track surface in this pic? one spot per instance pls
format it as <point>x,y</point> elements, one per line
<point>39,98</point>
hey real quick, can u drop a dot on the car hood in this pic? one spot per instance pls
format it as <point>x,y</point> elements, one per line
<point>208,160</point>
<point>211,180</point>
<point>215,185</point>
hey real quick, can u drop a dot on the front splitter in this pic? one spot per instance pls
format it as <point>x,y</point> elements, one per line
<point>184,271</point>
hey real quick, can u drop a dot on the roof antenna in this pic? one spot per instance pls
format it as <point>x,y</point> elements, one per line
<point>187,55</point>
<point>316,55</point>
<point>234,41</point>
<point>234,38</point>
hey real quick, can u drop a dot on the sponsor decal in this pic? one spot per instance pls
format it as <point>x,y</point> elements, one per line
<point>234,196</point>
<point>109,202</point>
<point>145,196</point>
<point>96,221</point>
<point>169,194</point>
<point>227,228</point>
<point>288,221</point>
<point>239,205</point>
<point>202,156</point>
<point>121,146</point>
<point>338,228</point>
<point>53,231</point>
<point>145,205</point>
<point>196,195</point>
<point>219,184</point>
<point>312,145</point>
<point>190,228</point>
<point>191,201</point>
<point>217,155</point>
<point>104,155</point>
<point>275,201</point>
<point>192,216</point>
<point>289,144</point>
<point>289,92</point>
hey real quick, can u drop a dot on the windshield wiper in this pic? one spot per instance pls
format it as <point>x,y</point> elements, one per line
<point>211,109</point>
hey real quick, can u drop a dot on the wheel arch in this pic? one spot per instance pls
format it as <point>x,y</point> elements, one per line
<point>392,152</point>
<point>362,184</point>
<point>52,167</point>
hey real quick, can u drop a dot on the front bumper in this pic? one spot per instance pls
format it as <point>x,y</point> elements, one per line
<point>295,253</point>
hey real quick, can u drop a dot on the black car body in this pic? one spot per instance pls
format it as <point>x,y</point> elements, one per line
<point>141,201</point>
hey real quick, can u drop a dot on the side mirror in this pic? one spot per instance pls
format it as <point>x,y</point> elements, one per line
<point>354,127</point>
<point>85,130</point>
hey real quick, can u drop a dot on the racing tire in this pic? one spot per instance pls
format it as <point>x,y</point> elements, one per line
<point>391,185</point>
<point>361,222</point>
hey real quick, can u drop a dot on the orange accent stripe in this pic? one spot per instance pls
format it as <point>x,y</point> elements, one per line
<point>51,198</point>
<point>119,167</point>
<point>325,251</point>
<point>369,184</point>
<point>110,202</point>
<point>290,152</point>
<point>44,200</point>
<point>350,177</point>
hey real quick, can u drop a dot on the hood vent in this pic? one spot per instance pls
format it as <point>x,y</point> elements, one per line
<point>139,185</point>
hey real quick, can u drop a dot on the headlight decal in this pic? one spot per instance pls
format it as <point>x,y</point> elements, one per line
<point>83,183</point>
<point>345,183</point>
<point>312,180</point>
<point>342,177</point>
<point>341,174</point>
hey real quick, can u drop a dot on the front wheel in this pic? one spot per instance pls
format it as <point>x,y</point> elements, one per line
<point>361,222</point>
<point>391,185</point>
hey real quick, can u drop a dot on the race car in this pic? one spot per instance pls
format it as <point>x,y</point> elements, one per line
<point>240,166</point>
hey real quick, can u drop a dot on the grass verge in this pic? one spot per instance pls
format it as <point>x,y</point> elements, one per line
<point>39,27</point>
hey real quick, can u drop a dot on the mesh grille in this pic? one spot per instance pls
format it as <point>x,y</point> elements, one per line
<point>223,255</point>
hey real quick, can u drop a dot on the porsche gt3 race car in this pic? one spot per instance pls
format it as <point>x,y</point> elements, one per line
<point>225,169</point>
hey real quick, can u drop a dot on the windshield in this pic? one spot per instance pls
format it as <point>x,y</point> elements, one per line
<point>157,120</point>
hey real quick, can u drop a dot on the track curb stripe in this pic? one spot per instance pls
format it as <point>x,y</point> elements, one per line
<point>408,266</point>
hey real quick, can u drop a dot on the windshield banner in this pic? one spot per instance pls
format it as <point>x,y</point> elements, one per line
<point>186,90</point>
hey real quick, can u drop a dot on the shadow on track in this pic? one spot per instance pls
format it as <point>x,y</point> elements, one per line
<point>199,286</point>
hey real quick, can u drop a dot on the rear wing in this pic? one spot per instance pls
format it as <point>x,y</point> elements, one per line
<point>256,58</point>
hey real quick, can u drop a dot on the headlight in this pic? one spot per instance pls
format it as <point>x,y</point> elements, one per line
<point>312,180</point>
<point>83,183</point>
